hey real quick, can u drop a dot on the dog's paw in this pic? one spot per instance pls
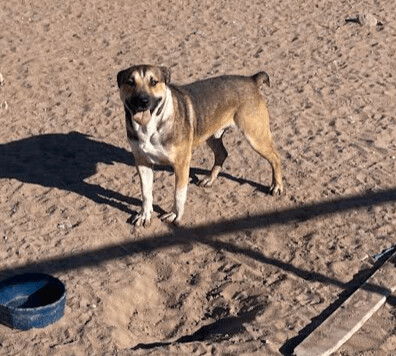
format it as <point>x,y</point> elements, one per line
<point>169,218</point>
<point>142,219</point>
<point>276,189</point>
<point>205,182</point>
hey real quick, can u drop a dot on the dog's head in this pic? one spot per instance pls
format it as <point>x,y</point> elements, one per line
<point>142,88</point>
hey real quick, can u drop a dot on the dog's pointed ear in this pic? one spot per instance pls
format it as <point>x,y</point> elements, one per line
<point>166,74</point>
<point>121,77</point>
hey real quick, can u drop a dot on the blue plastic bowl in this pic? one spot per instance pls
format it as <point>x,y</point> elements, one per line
<point>31,300</point>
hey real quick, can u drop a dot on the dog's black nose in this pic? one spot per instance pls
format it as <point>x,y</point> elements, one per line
<point>138,103</point>
<point>144,100</point>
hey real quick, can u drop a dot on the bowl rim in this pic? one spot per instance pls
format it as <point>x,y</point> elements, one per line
<point>62,297</point>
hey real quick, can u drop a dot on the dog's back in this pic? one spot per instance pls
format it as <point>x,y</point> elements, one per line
<point>220,97</point>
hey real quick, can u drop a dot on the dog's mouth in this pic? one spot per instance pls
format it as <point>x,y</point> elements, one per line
<point>142,115</point>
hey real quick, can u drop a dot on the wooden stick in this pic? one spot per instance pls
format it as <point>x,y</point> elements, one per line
<point>352,314</point>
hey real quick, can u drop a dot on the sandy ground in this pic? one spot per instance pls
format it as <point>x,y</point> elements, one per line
<point>248,273</point>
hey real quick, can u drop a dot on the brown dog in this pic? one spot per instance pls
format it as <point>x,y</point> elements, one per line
<point>165,122</point>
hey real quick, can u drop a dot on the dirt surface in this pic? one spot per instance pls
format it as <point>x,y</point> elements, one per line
<point>247,273</point>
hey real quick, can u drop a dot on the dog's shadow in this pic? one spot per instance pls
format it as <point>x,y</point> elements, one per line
<point>64,161</point>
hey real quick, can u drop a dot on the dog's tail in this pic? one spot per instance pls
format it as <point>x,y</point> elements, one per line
<point>260,78</point>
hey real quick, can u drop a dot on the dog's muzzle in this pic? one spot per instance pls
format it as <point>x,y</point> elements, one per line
<point>141,107</point>
<point>138,103</point>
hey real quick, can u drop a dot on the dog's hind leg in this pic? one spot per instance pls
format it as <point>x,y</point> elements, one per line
<point>220,155</point>
<point>268,151</point>
<point>255,126</point>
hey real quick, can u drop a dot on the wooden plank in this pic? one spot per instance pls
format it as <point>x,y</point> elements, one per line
<point>352,314</point>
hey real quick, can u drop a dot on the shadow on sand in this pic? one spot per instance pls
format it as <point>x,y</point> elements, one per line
<point>64,161</point>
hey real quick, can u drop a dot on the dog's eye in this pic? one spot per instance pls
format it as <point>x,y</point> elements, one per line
<point>153,82</point>
<point>131,82</point>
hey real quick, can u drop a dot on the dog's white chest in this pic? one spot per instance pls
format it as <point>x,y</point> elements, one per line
<point>149,143</point>
<point>152,147</point>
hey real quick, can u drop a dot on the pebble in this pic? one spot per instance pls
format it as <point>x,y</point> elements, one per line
<point>1,80</point>
<point>368,20</point>
<point>365,19</point>
<point>64,226</point>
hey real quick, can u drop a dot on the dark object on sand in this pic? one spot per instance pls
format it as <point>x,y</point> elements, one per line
<point>31,300</point>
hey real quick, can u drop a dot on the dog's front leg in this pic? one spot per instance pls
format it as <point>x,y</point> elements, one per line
<point>146,182</point>
<point>182,168</point>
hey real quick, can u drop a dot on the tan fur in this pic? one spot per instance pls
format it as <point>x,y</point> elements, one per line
<point>196,113</point>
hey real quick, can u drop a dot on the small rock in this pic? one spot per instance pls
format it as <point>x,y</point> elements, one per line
<point>4,105</point>
<point>365,19</point>
<point>258,52</point>
<point>368,20</point>
<point>14,208</point>
<point>65,226</point>
<point>1,80</point>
